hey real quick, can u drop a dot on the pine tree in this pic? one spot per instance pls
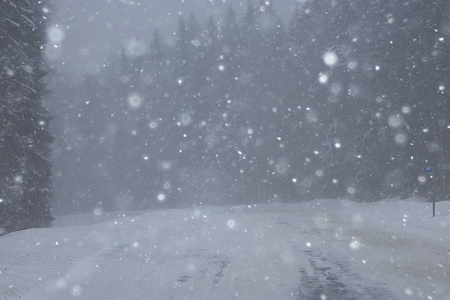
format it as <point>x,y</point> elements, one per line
<point>24,136</point>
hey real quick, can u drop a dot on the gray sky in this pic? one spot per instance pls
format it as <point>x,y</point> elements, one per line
<point>85,33</point>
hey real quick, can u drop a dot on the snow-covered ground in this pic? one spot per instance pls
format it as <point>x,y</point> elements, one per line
<point>326,249</point>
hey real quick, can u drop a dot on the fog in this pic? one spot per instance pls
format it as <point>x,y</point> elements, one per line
<point>187,103</point>
<point>95,29</point>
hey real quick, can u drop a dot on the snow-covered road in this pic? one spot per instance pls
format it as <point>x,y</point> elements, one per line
<point>328,249</point>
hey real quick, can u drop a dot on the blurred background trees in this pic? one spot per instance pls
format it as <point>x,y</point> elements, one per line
<point>347,99</point>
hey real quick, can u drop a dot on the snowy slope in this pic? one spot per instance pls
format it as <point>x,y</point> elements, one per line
<point>327,249</point>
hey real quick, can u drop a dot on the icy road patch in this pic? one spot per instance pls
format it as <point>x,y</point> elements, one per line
<point>327,249</point>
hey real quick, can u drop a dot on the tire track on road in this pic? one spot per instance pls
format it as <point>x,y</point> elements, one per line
<point>328,275</point>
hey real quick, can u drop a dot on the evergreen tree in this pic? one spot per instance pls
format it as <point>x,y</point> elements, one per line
<point>24,137</point>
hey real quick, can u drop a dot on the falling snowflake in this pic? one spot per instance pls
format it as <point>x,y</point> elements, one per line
<point>231,224</point>
<point>55,34</point>
<point>330,58</point>
<point>135,100</point>
<point>323,78</point>
<point>395,121</point>
<point>161,197</point>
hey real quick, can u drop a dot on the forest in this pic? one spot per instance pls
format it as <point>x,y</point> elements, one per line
<point>346,99</point>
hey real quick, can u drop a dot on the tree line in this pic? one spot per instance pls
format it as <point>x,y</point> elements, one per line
<point>349,99</point>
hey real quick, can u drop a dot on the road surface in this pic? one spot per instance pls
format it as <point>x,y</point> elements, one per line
<point>256,252</point>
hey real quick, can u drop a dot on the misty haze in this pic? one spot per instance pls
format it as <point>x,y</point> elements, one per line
<point>205,149</point>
